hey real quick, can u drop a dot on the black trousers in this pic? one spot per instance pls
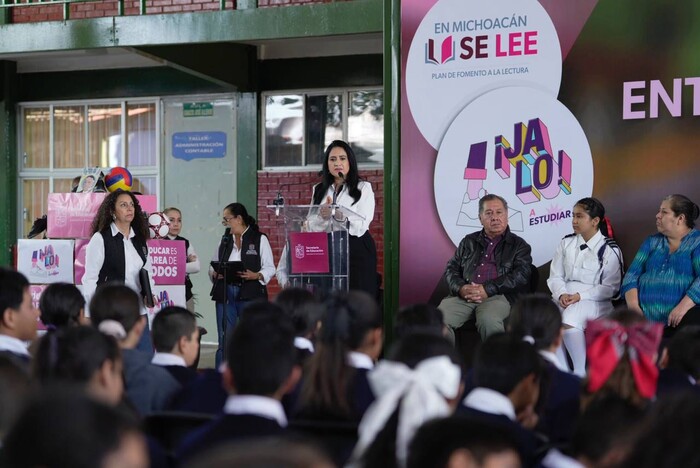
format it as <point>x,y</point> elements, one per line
<point>363,264</point>
<point>690,319</point>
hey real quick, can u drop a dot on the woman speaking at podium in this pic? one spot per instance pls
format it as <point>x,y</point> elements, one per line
<point>242,242</point>
<point>341,184</point>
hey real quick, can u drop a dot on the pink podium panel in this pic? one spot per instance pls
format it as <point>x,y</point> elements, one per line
<point>70,215</point>
<point>309,252</point>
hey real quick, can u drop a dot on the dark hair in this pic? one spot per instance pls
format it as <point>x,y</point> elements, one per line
<point>418,317</point>
<point>117,302</point>
<point>666,440</point>
<point>626,317</point>
<point>537,316</point>
<point>171,324</point>
<point>60,304</point>
<point>682,205</point>
<point>13,285</point>
<point>260,352</point>
<point>268,452</point>
<point>73,355</point>
<point>347,320</point>
<point>352,178</point>
<point>621,381</point>
<point>491,197</point>
<point>15,388</point>
<point>103,218</point>
<point>684,351</point>
<point>595,209</point>
<point>437,440</point>
<point>237,209</point>
<point>503,361</point>
<point>610,423</point>
<point>418,346</point>
<point>411,350</point>
<point>302,307</point>
<point>65,428</point>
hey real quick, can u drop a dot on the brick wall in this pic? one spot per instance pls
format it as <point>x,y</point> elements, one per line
<point>300,194</point>
<point>100,9</point>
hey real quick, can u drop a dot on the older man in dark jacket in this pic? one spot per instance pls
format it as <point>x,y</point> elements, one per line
<point>488,271</point>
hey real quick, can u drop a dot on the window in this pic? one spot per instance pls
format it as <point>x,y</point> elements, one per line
<point>59,139</point>
<point>299,126</point>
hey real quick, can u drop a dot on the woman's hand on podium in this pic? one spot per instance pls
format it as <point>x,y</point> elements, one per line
<point>325,210</point>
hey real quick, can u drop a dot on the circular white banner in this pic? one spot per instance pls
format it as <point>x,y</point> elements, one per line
<point>465,48</point>
<point>525,146</point>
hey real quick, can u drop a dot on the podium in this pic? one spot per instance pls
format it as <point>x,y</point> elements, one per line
<point>316,245</point>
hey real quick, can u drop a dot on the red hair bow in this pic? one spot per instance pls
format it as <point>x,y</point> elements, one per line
<point>606,342</point>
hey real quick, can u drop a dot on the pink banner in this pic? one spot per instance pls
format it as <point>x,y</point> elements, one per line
<point>70,215</point>
<point>169,260</point>
<point>309,252</point>
<point>36,290</point>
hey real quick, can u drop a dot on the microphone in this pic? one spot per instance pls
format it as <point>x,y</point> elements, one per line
<point>336,192</point>
<point>339,187</point>
<point>226,238</point>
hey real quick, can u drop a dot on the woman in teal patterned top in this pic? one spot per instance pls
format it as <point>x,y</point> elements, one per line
<point>663,282</point>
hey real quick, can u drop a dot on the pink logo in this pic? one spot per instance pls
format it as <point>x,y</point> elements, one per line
<point>447,51</point>
<point>45,262</point>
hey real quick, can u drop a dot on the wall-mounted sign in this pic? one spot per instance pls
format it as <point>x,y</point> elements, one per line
<point>199,145</point>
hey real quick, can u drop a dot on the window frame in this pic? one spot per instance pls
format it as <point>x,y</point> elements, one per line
<point>52,172</point>
<point>345,113</point>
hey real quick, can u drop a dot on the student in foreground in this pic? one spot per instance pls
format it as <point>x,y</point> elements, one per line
<point>261,368</point>
<point>176,339</point>
<point>18,317</point>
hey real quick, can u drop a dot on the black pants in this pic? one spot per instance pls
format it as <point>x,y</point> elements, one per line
<point>690,319</point>
<point>363,264</point>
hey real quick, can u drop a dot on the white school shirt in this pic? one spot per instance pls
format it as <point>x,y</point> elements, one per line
<point>95,257</point>
<point>168,359</point>
<point>490,401</point>
<point>257,405</point>
<point>13,345</point>
<point>267,263</point>
<point>364,206</point>
<point>191,267</point>
<point>578,271</point>
<point>359,360</point>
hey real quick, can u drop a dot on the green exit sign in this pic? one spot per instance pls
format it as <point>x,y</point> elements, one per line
<point>198,109</point>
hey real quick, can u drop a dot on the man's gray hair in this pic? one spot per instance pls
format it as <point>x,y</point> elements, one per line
<point>491,197</point>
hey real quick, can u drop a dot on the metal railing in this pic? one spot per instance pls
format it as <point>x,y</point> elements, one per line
<point>5,5</point>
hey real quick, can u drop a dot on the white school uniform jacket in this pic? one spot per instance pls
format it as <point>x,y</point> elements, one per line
<point>593,271</point>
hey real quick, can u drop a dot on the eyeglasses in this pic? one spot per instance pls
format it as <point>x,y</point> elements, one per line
<point>226,219</point>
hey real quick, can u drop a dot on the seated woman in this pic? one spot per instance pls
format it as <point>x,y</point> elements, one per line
<point>585,275</point>
<point>663,282</point>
